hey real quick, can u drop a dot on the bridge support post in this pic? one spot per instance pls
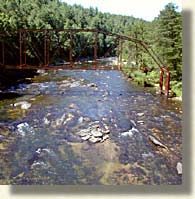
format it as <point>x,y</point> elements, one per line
<point>120,48</point>
<point>95,48</point>
<point>46,48</point>
<point>20,40</point>
<point>25,48</point>
<point>167,81</point>
<point>161,81</point>
<point>71,50</point>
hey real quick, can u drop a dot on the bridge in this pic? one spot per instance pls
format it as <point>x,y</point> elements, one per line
<point>58,49</point>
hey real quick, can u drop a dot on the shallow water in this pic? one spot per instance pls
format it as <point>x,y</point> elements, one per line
<point>41,145</point>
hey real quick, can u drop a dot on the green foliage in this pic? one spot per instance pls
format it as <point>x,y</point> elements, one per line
<point>164,34</point>
<point>169,31</point>
<point>176,87</point>
<point>153,77</point>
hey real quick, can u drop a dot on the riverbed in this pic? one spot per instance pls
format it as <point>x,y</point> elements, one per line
<point>89,127</point>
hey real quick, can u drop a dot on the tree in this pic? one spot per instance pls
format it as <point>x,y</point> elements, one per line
<point>169,40</point>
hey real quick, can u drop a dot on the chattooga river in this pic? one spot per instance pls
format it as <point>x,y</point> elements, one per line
<point>89,127</point>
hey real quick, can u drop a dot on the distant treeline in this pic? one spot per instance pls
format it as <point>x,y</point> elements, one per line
<point>164,33</point>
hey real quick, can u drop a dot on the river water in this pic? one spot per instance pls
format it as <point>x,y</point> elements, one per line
<point>40,141</point>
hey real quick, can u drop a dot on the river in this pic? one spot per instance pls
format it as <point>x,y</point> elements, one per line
<point>137,133</point>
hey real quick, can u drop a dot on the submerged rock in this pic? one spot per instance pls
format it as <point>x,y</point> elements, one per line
<point>59,121</point>
<point>63,120</point>
<point>147,155</point>
<point>69,118</point>
<point>38,164</point>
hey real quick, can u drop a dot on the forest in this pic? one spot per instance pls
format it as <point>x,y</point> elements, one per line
<point>163,34</point>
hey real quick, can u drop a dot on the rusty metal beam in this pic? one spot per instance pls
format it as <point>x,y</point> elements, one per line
<point>45,48</point>
<point>48,45</point>
<point>71,49</point>
<point>24,34</point>
<point>121,54</point>
<point>120,48</point>
<point>161,81</point>
<point>167,82</point>
<point>20,41</point>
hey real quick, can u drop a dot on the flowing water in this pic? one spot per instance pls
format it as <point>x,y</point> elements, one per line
<point>40,141</point>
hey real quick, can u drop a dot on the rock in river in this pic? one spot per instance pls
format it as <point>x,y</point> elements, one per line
<point>72,106</point>
<point>80,120</point>
<point>94,139</point>
<point>140,122</point>
<point>84,133</point>
<point>179,168</point>
<point>86,137</point>
<point>96,133</point>
<point>105,131</point>
<point>24,128</point>
<point>24,105</point>
<point>105,137</point>
<point>156,142</point>
<point>127,133</point>
<point>2,137</point>
<point>75,84</point>
<point>92,85</point>
<point>140,114</point>
<point>130,132</point>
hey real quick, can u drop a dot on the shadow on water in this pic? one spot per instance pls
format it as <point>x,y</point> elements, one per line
<point>185,188</point>
<point>13,77</point>
<point>9,95</point>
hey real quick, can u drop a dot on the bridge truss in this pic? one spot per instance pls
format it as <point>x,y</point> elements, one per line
<point>18,50</point>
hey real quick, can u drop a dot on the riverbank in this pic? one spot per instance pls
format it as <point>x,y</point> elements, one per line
<point>151,82</point>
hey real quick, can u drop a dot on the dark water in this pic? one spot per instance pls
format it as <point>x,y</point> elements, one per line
<point>39,143</point>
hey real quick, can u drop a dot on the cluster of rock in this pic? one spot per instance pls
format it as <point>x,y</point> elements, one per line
<point>75,83</point>
<point>24,128</point>
<point>94,134</point>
